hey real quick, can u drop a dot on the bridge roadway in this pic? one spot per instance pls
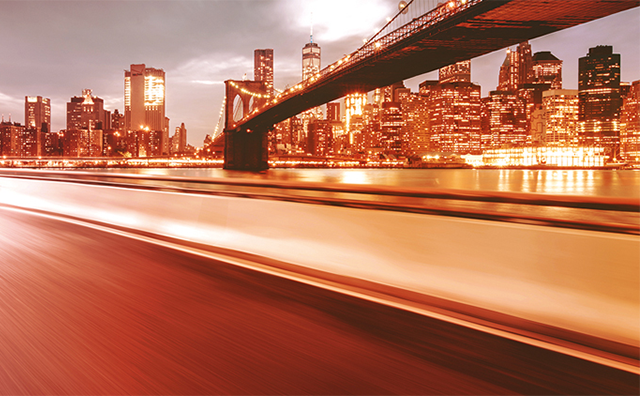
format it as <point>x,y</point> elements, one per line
<point>85,311</point>
<point>88,308</point>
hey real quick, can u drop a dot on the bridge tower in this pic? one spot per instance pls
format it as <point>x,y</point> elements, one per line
<point>244,149</point>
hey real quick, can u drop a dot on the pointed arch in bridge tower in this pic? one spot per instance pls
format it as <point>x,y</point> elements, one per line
<point>244,149</point>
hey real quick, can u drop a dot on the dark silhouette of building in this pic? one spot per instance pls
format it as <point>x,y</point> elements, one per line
<point>333,111</point>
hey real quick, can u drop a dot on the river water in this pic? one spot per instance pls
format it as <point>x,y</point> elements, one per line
<point>603,183</point>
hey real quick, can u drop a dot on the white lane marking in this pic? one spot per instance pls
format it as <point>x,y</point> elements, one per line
<point>635,369</point>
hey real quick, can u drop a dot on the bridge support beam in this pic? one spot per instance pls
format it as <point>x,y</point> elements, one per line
<point>245,150</point>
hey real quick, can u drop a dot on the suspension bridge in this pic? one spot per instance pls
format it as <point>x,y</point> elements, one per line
<point>422,37</point>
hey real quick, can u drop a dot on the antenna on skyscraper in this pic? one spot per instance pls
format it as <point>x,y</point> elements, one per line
<point>311,30</point>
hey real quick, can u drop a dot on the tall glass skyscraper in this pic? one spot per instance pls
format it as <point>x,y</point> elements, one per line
<point>144,98</point>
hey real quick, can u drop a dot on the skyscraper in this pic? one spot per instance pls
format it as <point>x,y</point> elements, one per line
<point>37,113</point>
<point>599,97</point>
<point>310,59</point>
<point>87,112</point>
<point>454,110</point>
<point>144,99</point>
<point>517,68</point>
<point>310,66</point>
<point>263,68</point>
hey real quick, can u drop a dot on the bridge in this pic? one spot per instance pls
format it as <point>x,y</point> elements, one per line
<point>419,39</point>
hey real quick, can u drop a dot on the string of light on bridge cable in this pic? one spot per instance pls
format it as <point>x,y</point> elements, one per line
<point>246,91</point>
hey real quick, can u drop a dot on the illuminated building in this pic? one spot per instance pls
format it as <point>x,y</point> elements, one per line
<point>310,67</point>
<point>392,137</point>
<point>550,156</point>
<point>29,143</point>
<point>507,120</point>
<point>52,145</point>
<point>354,106</point>
<point>87,112</point>
<point>263,68</point>
<point>599,98</point>
<point>547,69</point>
<point>517,68</point>
<point>82,143</point>
<point>415,111</point>
<point>37,113</point>
<point>144,99</point>
<point>310,59</point>
<point>630,124</point>
<point>10,138</point>
<point>453,107</point>
<point>371,132</point>
<point>561,117</point>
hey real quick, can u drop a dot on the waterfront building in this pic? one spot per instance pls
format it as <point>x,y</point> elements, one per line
<point>37,113</point>
<point>507,120</point>
<point>561,117</point>
<point>586,157</point>
<point>630,124</point>
<point>599,98</point>
<point>144,99</point>
<point>263,68</point>
<point>10,133</point>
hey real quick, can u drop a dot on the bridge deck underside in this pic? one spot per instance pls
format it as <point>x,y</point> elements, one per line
<point>481,29</point>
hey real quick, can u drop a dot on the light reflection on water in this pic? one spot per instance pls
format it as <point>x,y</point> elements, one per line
<point>608,183</point>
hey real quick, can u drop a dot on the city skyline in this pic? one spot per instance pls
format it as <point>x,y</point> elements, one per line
<point>224,49</point>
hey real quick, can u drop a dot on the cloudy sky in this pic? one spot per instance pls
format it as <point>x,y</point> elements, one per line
<point>57,48</point>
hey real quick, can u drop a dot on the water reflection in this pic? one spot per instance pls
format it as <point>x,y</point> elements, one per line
<point>611,183</point>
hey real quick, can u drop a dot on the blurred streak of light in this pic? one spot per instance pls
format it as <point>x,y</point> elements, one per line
<point>567,348</point>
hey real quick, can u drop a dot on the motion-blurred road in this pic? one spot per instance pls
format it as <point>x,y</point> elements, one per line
<point>84,311</point>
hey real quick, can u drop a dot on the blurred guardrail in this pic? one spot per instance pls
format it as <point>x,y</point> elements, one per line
<point>567,262</point>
